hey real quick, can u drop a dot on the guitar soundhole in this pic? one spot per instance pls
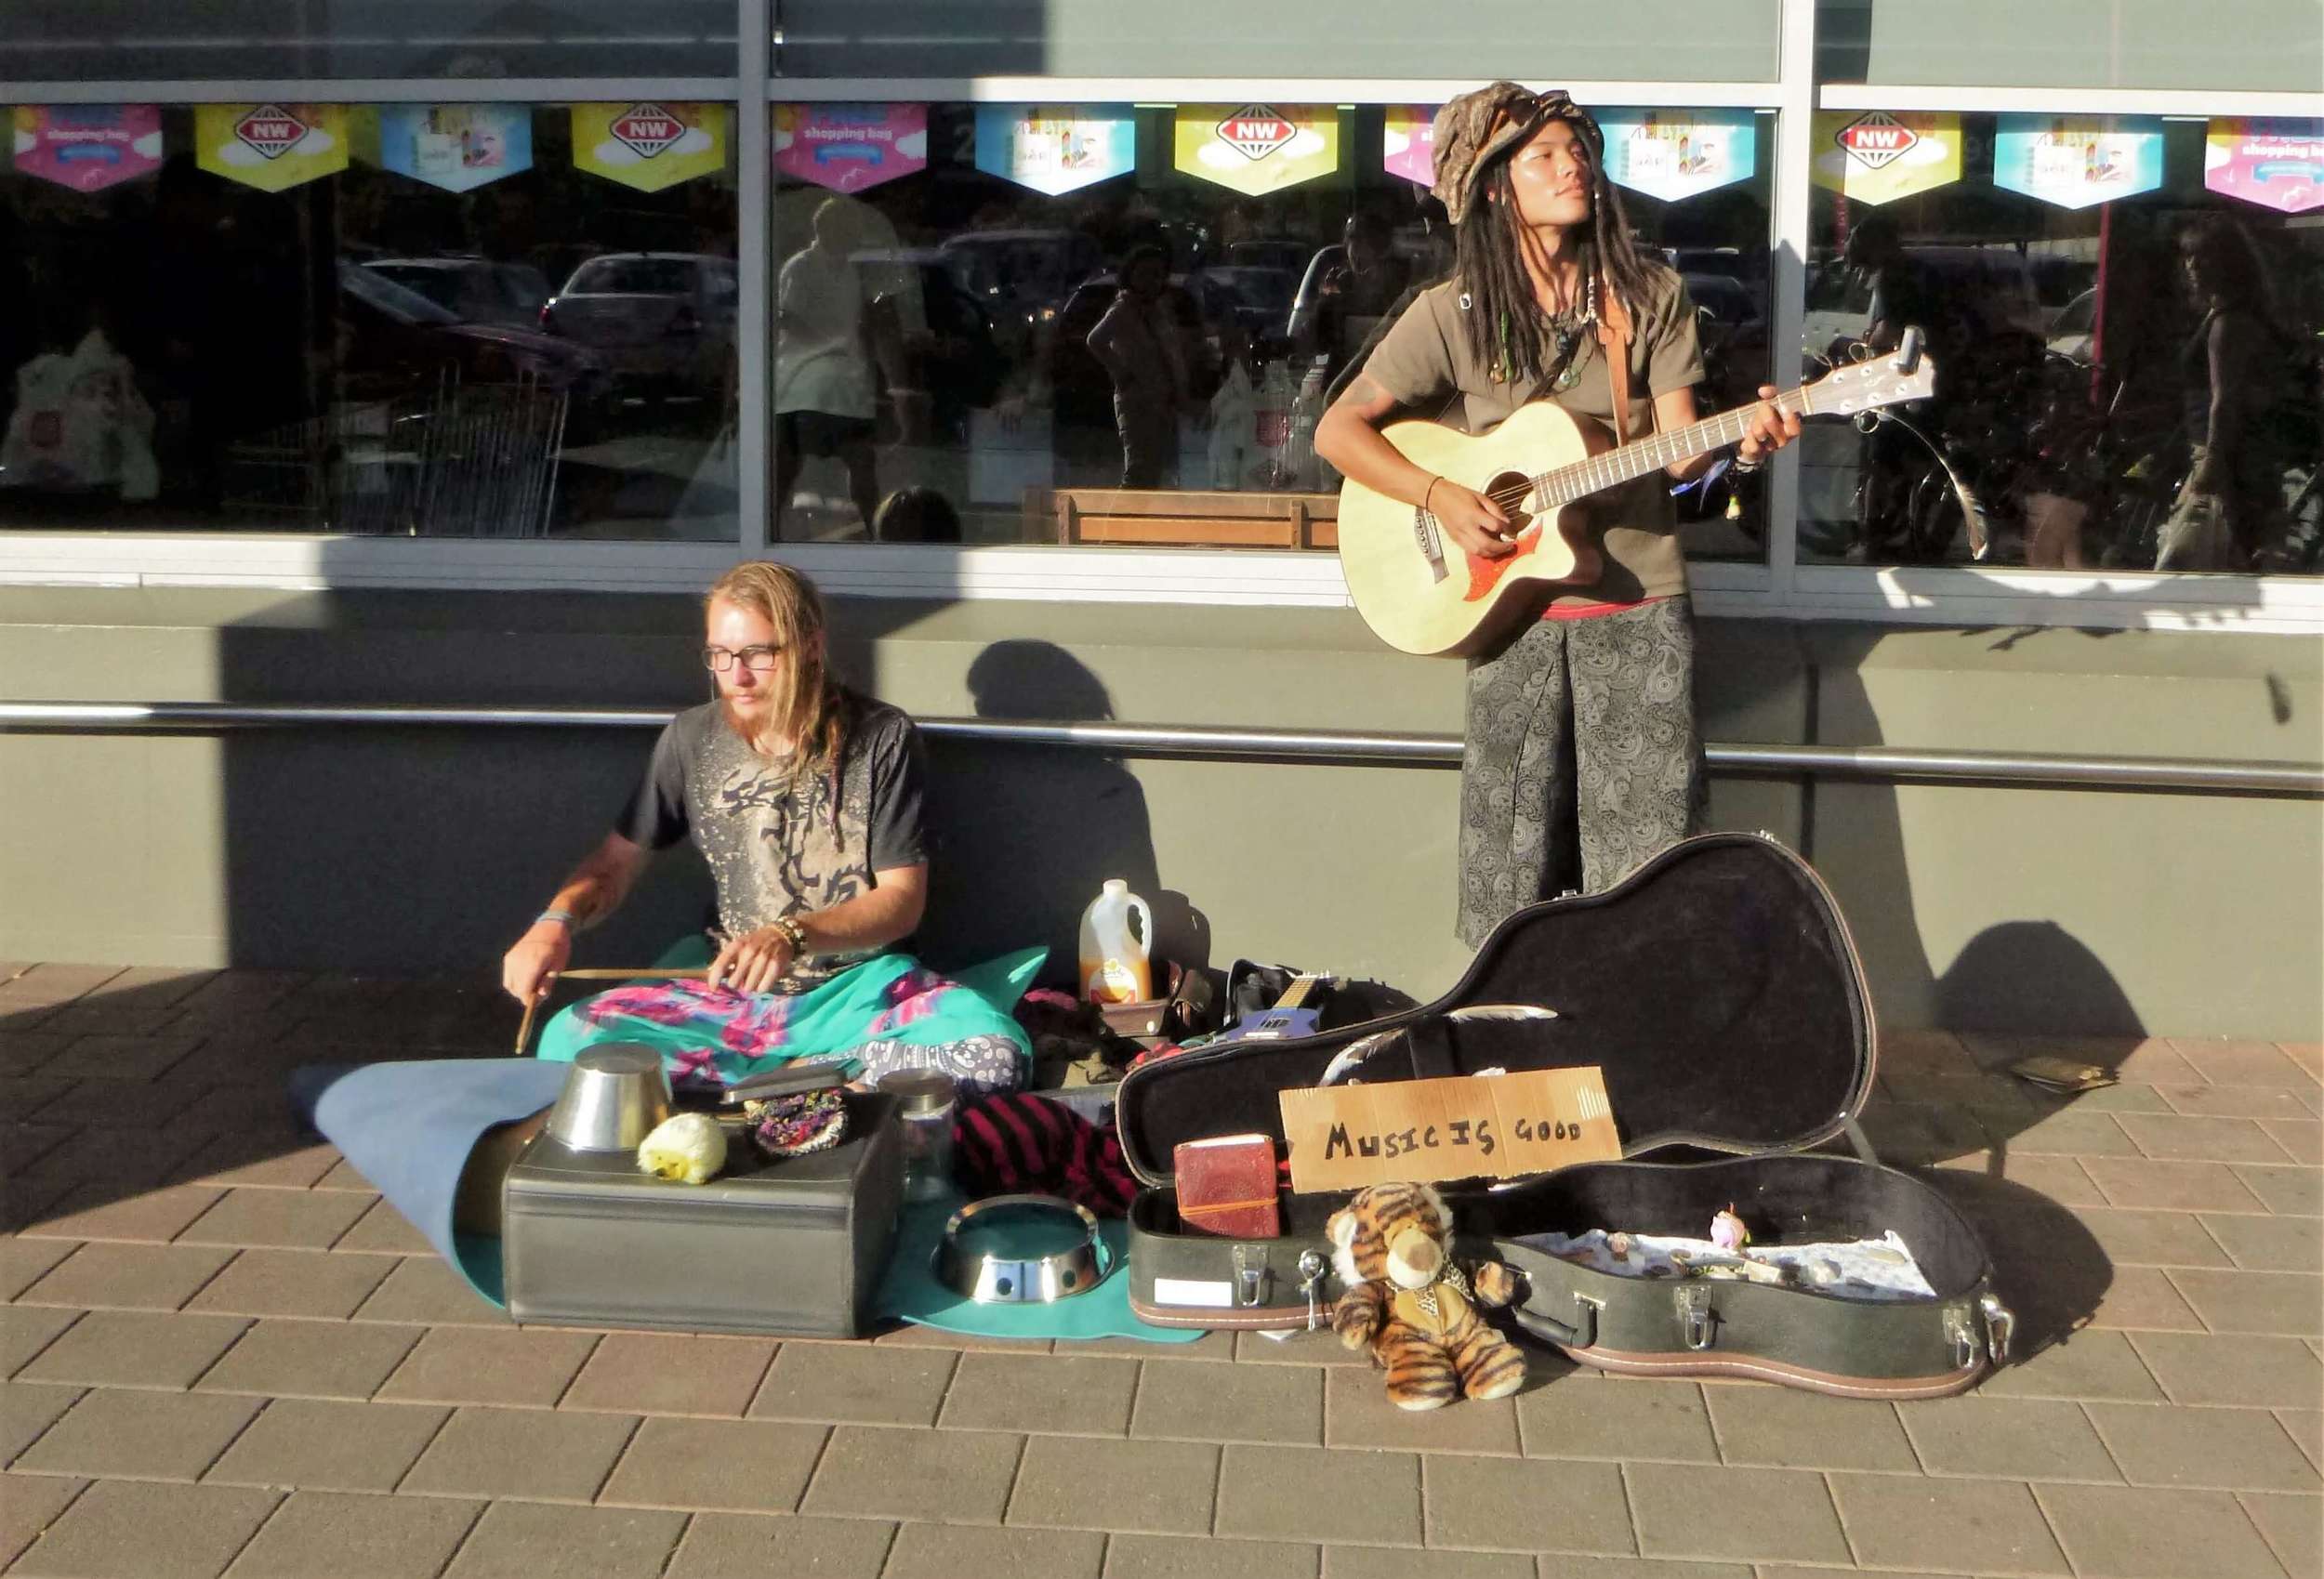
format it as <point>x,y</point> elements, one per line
<point>1513,490</point>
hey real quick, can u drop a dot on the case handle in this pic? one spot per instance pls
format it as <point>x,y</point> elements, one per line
<point>1582,1333</point>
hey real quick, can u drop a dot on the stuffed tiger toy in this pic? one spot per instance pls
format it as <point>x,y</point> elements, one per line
<point>1412,1306</point>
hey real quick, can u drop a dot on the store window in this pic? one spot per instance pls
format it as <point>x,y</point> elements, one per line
<point>1066,322</point>
<point>422,319</point>
<point>2125,315</point>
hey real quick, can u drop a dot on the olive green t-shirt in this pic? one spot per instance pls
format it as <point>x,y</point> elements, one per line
<point>1424,363</point>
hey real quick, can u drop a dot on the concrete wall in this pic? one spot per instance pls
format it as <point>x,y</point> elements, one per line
<point>429,849</point>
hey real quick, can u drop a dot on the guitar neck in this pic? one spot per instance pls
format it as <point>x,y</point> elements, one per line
<point>1568,483</point>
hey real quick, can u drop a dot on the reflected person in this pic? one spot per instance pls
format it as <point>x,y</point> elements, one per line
<point>1137,344</point>
<point>824,385</point>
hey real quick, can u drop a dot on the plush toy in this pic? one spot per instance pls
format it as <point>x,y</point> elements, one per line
<point>690,1147</point>
<point>1411,1306</point>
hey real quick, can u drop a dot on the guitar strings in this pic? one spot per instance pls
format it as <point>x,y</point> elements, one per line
<point>1514,497</point>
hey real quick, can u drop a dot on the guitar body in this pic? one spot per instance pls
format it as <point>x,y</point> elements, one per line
<point>1416,586</point>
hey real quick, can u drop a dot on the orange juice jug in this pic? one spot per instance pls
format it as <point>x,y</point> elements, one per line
<point>1114,968</point>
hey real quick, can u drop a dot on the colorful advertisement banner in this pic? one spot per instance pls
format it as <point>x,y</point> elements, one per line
<point>1879,157</point>
<point>2276,164</point>
<point>1256,149</point>
<point>1056,148</point>
<point>1408,143</point>
<point>1675,154</point>
<point>89,147</point>
<point>272,147</point>
<point>2074,161</point>
<point>649,144</point>
<point>850,146</point>
<point>457,146</point>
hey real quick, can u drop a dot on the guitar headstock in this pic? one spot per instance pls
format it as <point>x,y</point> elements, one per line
<point>1889,379</point>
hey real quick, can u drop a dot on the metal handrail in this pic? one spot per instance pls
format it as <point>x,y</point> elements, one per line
<point>2297,780</point>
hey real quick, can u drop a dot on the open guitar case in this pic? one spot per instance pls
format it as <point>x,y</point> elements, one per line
<point>1719,990</point>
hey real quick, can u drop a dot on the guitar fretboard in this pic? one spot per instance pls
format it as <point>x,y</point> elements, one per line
<point>1567,483</point>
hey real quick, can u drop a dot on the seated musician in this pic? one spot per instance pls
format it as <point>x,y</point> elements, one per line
<point>1582,757</point>
<point>805,799</point>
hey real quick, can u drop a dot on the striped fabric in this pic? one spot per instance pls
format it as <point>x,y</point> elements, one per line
<point>1017,1143</point>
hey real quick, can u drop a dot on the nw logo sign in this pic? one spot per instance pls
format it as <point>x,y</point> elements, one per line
<point>1877,139</point>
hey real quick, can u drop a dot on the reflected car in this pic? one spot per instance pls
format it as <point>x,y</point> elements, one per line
<point>474,290</point>
<point>396,336</point>
<point>1021,278</point>
<point>2073,331</point>
<point>663,320</point>
<point>1258,300</point>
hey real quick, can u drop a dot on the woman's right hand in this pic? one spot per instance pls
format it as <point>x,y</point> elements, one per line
<point>544,949</point>
<point>1478,524</point>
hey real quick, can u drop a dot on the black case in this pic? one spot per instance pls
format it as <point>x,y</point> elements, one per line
<point>1720,993</point>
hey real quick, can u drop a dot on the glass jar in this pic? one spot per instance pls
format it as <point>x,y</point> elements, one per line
<point>925,1099</point>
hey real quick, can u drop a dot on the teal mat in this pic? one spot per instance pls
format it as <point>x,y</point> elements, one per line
<point>911,1293</point>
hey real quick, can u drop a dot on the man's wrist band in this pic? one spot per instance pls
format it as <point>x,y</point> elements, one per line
<point>573,923</point>
<point>1739,464</point>
<point>793,933</point>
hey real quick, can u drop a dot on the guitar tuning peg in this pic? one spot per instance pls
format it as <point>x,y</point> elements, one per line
<point>1908,351</point>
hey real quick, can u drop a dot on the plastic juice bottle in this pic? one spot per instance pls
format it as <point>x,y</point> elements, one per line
<point>1114,968</point>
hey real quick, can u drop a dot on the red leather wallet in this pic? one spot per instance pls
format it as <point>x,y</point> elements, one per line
<point>1226,1186</point>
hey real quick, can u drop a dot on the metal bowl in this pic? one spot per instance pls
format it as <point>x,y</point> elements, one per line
<point>614,1094</point>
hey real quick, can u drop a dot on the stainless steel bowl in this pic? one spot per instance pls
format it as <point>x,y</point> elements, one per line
<point>614,1094</point>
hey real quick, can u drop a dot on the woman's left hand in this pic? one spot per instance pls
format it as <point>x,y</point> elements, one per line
<point>1770,430</point>
<point>754,961</point>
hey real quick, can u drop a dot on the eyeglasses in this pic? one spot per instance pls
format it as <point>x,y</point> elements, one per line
<point>758,660</point>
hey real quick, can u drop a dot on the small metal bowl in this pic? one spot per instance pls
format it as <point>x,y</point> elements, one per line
<point>614,1094</point>
<point>1030,1279</point>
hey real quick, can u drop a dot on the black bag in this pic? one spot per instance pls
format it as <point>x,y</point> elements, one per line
<point>1717,990</point>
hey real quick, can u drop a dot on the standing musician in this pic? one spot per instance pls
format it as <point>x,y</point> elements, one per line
<point>1582,756</point>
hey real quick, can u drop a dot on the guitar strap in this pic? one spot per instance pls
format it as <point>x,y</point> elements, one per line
<point>1614,335</point>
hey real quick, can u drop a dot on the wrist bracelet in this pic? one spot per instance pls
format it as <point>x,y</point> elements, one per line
<point>1744,467</point>
<point>1428,492</point>
<point>793,933</point>
<point>571,922</point>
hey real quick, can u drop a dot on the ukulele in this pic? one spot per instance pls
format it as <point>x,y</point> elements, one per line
<point>1423,593</point>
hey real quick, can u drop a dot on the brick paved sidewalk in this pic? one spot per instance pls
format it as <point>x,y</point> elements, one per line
<point>224,1355</point>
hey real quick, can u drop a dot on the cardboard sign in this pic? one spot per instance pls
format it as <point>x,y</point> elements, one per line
<point>1471,1126</point>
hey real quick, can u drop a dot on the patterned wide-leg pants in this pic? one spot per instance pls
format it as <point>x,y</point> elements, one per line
<point>1582,759</point>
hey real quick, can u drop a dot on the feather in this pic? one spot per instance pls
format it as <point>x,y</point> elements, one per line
<point>1503,1011</point>
<point>1348,1058</point>
<point>690,1147</point>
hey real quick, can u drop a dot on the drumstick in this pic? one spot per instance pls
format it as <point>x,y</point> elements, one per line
<point>597,973</point>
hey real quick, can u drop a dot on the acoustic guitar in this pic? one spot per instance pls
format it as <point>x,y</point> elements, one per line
<point>1423,593</point>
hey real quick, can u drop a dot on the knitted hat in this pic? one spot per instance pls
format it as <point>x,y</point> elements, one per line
<point>1473,128</point>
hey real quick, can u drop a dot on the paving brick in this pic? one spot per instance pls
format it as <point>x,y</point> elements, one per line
<point>2239,1102</point>
<point>2155,1239</point>
<point>2232,1449</point>
<point>133,1277</point>
<point>23,1261</point>
<point>534,1453</point>
<point>671,1374</point>
<point>1181,1557</point>
<point>2197,1368</point>
<point>278,1160</point>
<point>909,1336</point>
<point>924,1551</point>
<point>1776,1427</point>
<point>122,1162</point>
<point>356,1537</point>
<point>2082,1364</point>
<point>689,1464</point>
<point>26,1052</point>
<point>2230,1062</point>
<point>482,1365</point>
<point>2288,1303</point>
<point>1910,1135</point>
<point>1556,1565</point>
<point>2271,1245</point>
<point>2008,1437</point>
<point>1239,1404</point>
<point>297,1219</point>
<point>97,1210</point>
<point>1521,1505</point>
<point>25,1331</point>
<point>2213,1139</point>
<point>1209,1347</point>
<point>26,1410</point>
<point>2138,1532</point>
<point>291,1282</point>
<point>1946,1526</point>
<point>383,1230</point>
<point>48,981</point>
<point>2145,1299</point>
<point>2306,1427</point>
<point>945,1476</point>
<point>1165,1488</point>
<point>1303,1493</point>
<point>2058,1179</point>
<point>1300,1349</point>
<point>111,1530</point>
<point>2171,1186</point>
<point>2309,1056</point>
<point>1635,1419</point>
<point>844,1384</point>
<point>2144,1060</point>
<point>2293,1525</point>
<point>1390,1562</point>
<point>2302,1140</point>
<point>1358,1413</point>
<point>2289,1191</point>
<point>144,1436</point>
<point>29,1504</point>
<point>330,1445</point>
<point>423,1289</point>
<point>344,1177</point>
<point>1012,1392</point>
<point>2069,1132</point>
<point>516,1540</point>
<point>125,1348</point>
<point>291,1359</point>
<point>734,1546</point>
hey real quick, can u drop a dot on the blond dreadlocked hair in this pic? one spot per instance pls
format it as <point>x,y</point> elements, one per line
<point>813,711</point>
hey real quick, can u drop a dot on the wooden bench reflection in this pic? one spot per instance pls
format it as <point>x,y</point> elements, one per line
<point>1173,518</point>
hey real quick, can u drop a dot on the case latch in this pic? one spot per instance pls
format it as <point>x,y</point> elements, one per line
<point>2000,1326</point>
<point>1249,1281</point>
<point>1961,1328</point>
<point>1698,1321</point>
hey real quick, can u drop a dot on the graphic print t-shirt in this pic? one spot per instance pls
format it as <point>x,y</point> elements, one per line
<point>779,844</point>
